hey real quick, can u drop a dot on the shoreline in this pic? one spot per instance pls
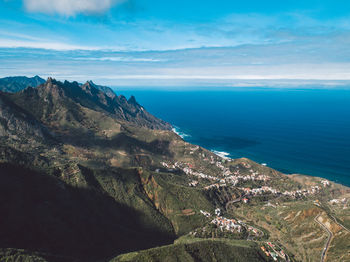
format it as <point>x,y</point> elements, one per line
<point>227,156</point>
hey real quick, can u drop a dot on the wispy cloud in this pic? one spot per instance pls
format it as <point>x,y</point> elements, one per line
<point>118,59</point>
<point>69,7</point>
<point>214,48</point>
<point>259,65</point>
<point>13,43</point>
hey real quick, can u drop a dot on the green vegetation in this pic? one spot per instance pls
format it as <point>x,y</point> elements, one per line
<point>18,255</point>
<point>200,250</point>
<point>87,175</point>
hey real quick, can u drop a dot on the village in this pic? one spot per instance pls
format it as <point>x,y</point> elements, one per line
<point>342,201</point>
<point>234,225</point>
<point>274,251</point>
<point>231,225</point>
<point>229,178</point>
<point>266,189</point>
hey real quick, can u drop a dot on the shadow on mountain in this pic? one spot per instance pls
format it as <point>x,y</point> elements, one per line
<point>121,141</point>
<point>41,213</point>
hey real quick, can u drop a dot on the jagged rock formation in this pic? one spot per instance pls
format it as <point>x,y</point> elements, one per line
<point>86,175</point>
<point>54,101</point>
<point>18,124</point>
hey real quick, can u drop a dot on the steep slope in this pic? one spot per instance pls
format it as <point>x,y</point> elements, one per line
<point>18,125</point>
<point>87,176</point>
<point>199,250</point>
<point>105,89</point>
<point>54,102</point>
<point>42,212</point>
<point>17,83</point>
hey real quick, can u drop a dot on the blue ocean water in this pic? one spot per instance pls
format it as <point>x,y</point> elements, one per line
<point>294,131</point>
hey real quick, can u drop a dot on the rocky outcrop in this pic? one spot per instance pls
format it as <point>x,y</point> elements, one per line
<point>54,97</point>
<point>18,124</point>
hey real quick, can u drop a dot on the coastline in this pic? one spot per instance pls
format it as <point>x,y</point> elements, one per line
<point>177,131</point>
<point>228,156</point>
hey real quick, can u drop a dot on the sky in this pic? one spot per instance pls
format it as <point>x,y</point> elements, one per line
<point>184,43</point>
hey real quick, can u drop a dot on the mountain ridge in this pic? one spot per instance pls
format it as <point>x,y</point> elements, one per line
<point>87,95</point>
<point>86,176</point>
<point>17,83</point>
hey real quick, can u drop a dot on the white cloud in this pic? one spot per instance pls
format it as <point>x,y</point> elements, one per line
<point>69,7</point>
<point>118,59</point>
<point>14,43</point>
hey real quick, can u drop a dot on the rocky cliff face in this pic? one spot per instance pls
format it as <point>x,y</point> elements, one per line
<point>71,209</point>
<point>55,100</point>
<point>16,123</point>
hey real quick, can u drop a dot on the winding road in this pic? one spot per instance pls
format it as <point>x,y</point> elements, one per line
<point>330,236</point>
<point>233,201</point>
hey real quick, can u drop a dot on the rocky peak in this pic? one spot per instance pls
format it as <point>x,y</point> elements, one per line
<point>37,78</point>
<point>54,96</point>
<point>91,83</point>
<point>132,101</point>
<point>122,99</point>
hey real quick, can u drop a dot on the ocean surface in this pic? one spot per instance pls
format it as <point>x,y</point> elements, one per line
<point>294,131</point>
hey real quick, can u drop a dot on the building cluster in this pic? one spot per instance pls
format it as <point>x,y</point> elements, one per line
<point>216,185</point>
<point>338,201</point>
<point>302,192</point>
<point>258,191</point>
<point>230,224</point>
<point>229,178</point>
<point>205,213</point>
<point>236,178</point>
<point>217,212</point>
<point>254,230</point>
<point>166,165</point>
<point>193,183</point>
<point>273,251</point>
<point>325,182</point>
<point>193,149</point>
<point>266,189</point>
<point>187,169</point>
<point>227,224</point>
<point>212,160</point>
<point>226,178</point>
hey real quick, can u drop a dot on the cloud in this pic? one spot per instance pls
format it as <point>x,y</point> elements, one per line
<point>69,7</point>
<point>118,59</point>
<point>14,43</point>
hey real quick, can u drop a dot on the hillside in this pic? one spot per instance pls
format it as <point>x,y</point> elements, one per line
<point>87,175</point>
<point>200,250</point>
<point>57,103</point>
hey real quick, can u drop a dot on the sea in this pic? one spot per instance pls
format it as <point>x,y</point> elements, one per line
<point>304,131</point>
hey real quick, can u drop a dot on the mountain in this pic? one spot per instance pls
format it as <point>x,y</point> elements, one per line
<point>17,123</point>
<point>17,83</point>
<point>55,101</point>
<point>105,89</point>
<point>200,250</point>
<point>90,176</point>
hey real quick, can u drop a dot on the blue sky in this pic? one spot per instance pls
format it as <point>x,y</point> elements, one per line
<point>202,43</point>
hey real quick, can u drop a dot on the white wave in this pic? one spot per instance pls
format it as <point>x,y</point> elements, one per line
<point>221,154</point>
<point>181,134</point>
